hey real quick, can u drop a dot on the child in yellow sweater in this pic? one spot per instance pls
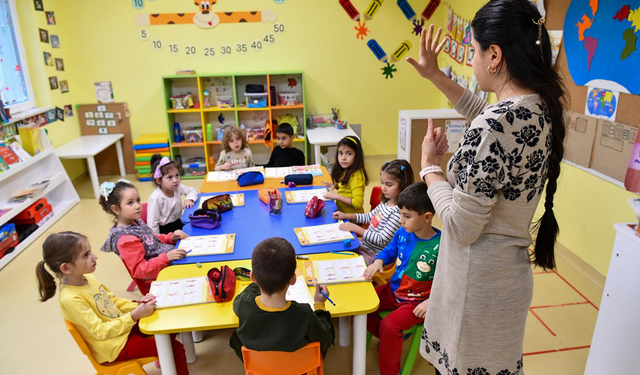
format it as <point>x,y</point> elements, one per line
<point>107,323</point>
<point>348,177</point>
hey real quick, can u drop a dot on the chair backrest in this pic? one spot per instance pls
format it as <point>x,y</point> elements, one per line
<point>143,214</point>
<point>306,360</point>
<point>79,339</point>
<point>143,288</point>
<point>374,200</point>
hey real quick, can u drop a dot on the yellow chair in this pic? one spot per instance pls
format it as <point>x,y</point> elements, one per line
<point>132,366</point>
<point>383,277</point>
<point>306,360</point>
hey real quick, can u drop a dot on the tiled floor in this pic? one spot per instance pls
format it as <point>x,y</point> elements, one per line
<point>35,341</point>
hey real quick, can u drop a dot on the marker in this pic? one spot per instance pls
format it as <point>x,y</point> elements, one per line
<point>350,9</point>
<point>189,251</point>
<point>373,9</point>
<point>377,50</point>
<point>327,297</point>
<point>341,252</point>
<point>407,10</point>
<point>401,51</point>
<point>428,11</point>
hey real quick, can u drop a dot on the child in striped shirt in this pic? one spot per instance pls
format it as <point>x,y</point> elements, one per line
<point>384,220</point>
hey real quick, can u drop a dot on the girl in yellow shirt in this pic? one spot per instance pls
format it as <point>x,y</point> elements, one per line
<point>107,323</point>
<point>348,177</point>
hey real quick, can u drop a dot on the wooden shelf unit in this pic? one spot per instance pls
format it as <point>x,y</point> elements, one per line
<point>236,115</point>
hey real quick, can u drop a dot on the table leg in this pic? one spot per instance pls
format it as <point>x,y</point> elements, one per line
<point>189,348</point>
<point>359,344</point>
<point>318,155</point>
<point>197,336</point>
<point>123,171</point>
<point>93,174</point>
<point>345,330</point>
<point>165,354</point>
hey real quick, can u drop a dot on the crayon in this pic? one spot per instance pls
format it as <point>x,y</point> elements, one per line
<point>373,9</point>
<point>428,11</point>
<point>401,50</point>
<point>350,9</point>
<point>377,50</point>
<point>407,10</point>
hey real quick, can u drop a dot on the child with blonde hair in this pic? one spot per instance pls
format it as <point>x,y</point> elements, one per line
<point>236,153</point>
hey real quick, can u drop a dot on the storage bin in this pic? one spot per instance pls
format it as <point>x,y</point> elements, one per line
<point>192,135</point>
<point>195,166</point>
<point>288,98</point>
<point>224,101</point>
<point>256,100</point>
<point>34,213</point>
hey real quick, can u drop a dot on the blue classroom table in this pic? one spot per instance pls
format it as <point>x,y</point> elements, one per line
<point>252,223</point>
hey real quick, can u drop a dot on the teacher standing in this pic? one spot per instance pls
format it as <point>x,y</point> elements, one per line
<point>483,284</point>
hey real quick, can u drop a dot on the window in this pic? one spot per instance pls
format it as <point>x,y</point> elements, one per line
<point>15,85</point>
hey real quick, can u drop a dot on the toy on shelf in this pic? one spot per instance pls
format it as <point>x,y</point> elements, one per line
<point>144,147</point>
<point>193,135</point>
<point>207,99</point>
<point>224,101</point>
<point>184,101</point>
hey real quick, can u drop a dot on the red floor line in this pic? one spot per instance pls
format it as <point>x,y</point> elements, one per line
<point>557,350</point>
<point>542,272</point>
<point>561,305</point>
<point>543,323</point>
<point>574,288</point>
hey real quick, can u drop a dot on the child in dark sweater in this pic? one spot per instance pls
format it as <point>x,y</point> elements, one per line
<point>284,154</point>
<point>268,322</point>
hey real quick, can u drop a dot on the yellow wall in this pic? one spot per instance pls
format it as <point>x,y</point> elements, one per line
<point>102,44</point>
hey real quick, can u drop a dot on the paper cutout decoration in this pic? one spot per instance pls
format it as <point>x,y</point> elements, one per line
<point>447,44</point>
<point>417,27</point>
<point>407,10</point>
<point>362,30</point>
<point>454,27</point>
<point>373,9</point>
<point>461,23</point>
<point>138,4</point>
<point>462,49</point>
<point>204,18</point>
<point>449,23</point>
<point>466,39</point>
<point>104,92</point>
<point>602,103</point>
<point>388,70</point>
<point>428,11</point>
<point>453,51</point>
<point>292,82</point>
<point>377,50</point>
<point>350,9</point>
<point>401,50</point>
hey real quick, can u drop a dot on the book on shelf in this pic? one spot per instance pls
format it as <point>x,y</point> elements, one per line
<point>208,245</point>
<point>280,172</point>
<point>236,199</point>
<point>232,175</point>
<point>29,192</point>
<point>335,271</point>
<point>181,292</point>
<point>321,234</point>
<point>304,196</point>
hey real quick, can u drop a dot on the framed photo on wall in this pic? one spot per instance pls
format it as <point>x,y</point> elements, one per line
<point>462,49</point>
<point>453,52</point>
<point>447,44</point>
<point>470,52</point>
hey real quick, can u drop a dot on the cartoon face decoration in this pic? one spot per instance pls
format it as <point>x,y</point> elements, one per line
<point>105,305</point>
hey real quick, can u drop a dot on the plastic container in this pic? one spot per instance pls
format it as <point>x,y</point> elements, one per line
<point>192,135</point>
<point>177,136</point>
<point>209,132</point>
<point>195,166</point>
<point>256,100</point>
<point>288,98</point>
<point>224,101</point>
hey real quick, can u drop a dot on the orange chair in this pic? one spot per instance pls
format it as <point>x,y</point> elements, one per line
<point>307,360</point>
<point>374,200</point>
<point>132,366</point>
<point>383,277</point>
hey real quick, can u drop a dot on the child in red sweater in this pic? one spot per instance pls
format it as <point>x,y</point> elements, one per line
<point>144,253</point>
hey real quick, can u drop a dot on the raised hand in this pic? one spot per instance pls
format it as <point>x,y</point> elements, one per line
<point>429,50</point>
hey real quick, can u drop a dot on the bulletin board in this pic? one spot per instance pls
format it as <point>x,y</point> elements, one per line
<point>108,118</point>
<point>598,144</point>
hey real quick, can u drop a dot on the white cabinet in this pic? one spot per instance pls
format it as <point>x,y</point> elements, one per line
<point>60,193</point>
<point>616,339</point>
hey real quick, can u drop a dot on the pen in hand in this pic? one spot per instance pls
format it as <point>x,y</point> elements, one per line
<point>327,297</point>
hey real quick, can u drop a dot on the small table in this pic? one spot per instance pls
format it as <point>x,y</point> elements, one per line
<point>87,147</point>
<point>329,136</point>
<point>353,299</point>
